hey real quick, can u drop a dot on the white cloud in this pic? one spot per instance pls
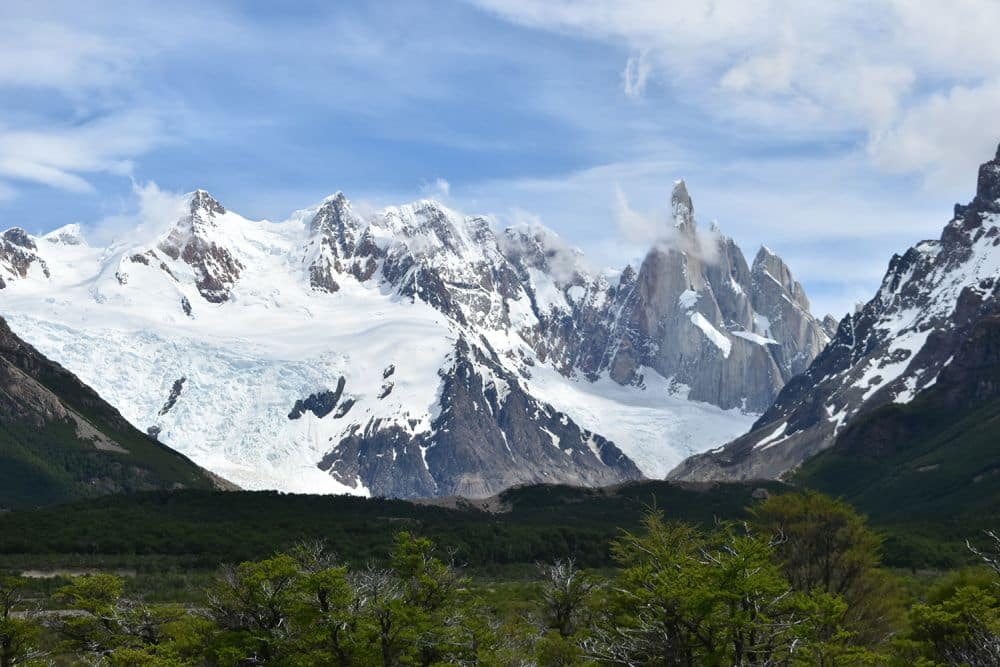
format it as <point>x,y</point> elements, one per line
<point>441,188</point>
<point>887,70</point>
<point>60,157</point>
<point>149,215</point>
<point>634,226</point>
<point>945,135</point>
<point>36,54</point>
<point>635,75</point>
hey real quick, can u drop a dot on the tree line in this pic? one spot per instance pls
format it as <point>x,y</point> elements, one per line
<point>799,583</point>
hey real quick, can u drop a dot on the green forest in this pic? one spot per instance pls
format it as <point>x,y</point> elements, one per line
<point>799,579</point>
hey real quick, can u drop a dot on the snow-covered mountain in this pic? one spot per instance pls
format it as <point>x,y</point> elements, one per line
<point>890,349</point>
<point>413,351</point>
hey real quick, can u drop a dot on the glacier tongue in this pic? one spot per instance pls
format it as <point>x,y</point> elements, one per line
<point>410,352</point>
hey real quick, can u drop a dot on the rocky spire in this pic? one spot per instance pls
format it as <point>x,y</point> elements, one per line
<point>336,223</point>
<point>887,351</point>
<point>768,266</point>
<point>683,209</point>
<point>988,185</point>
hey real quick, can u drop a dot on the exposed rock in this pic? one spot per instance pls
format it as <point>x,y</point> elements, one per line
<point>697,314</point>
<point>18,254</point>
<point>475,452</point>
<point>888,350</point>
<point>191,240</point>
<point>344,408</point>
<point>175,393</point>
<point>830,324</point>
<point>320,404</point>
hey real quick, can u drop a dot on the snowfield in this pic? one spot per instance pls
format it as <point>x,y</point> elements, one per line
<point>118,318</point>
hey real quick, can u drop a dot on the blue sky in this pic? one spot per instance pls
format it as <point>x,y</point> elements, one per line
<point>835,133</point>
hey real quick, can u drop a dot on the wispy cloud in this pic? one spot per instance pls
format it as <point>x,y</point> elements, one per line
<point>148,216</point>
<point>46,54</point>
<point>852,125</point>
<point>61,157</point>
<point>891,69</point>
<point>635,74</point>
<point>438,189</point>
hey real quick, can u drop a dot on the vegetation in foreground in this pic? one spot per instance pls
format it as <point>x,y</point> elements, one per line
<point>799,583</point>
<point>168,535</point>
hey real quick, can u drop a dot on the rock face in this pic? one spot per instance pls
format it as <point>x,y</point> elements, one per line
<point>470,451</point>
<point>19,256</point>
<point>59,440</point>
<point>417,352</point>
<point>899,343</point>
<point>696,314</point>
<point>970,381</point>
<point>931,460</point>
<point>193,241</point>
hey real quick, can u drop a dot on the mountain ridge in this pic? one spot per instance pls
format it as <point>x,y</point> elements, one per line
<point>553,372</point>
<point>888,351</point>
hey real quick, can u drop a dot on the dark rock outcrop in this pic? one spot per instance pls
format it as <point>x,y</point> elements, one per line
<point>487,438</point>
<point>175,393</point>
<point>320,404</point>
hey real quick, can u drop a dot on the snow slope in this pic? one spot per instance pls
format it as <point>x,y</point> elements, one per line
<point>215,330</point>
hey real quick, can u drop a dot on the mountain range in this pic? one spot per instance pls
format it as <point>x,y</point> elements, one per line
<point>911,339</point>
<point>413,351</point>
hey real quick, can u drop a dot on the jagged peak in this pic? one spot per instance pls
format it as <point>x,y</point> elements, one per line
<point>533,230</point>
<point>537,236</point>
<point>539,247</point>
<point>200,201</point>
<point>988,184</point>
<point>765,255</point>
<point>338,198</point>
<point>19,237</point>
<point>71,234</point>
<point>679,196</point>
<point>682,207</point>
<point>480,230</point>
<point>331,213</point>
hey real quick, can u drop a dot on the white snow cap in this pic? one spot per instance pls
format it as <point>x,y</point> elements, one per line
<point>70,234</point>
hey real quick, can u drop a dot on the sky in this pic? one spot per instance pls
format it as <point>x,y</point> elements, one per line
<point>834,133</point>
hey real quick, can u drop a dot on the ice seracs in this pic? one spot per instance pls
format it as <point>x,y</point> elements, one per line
<point>512,359</point>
